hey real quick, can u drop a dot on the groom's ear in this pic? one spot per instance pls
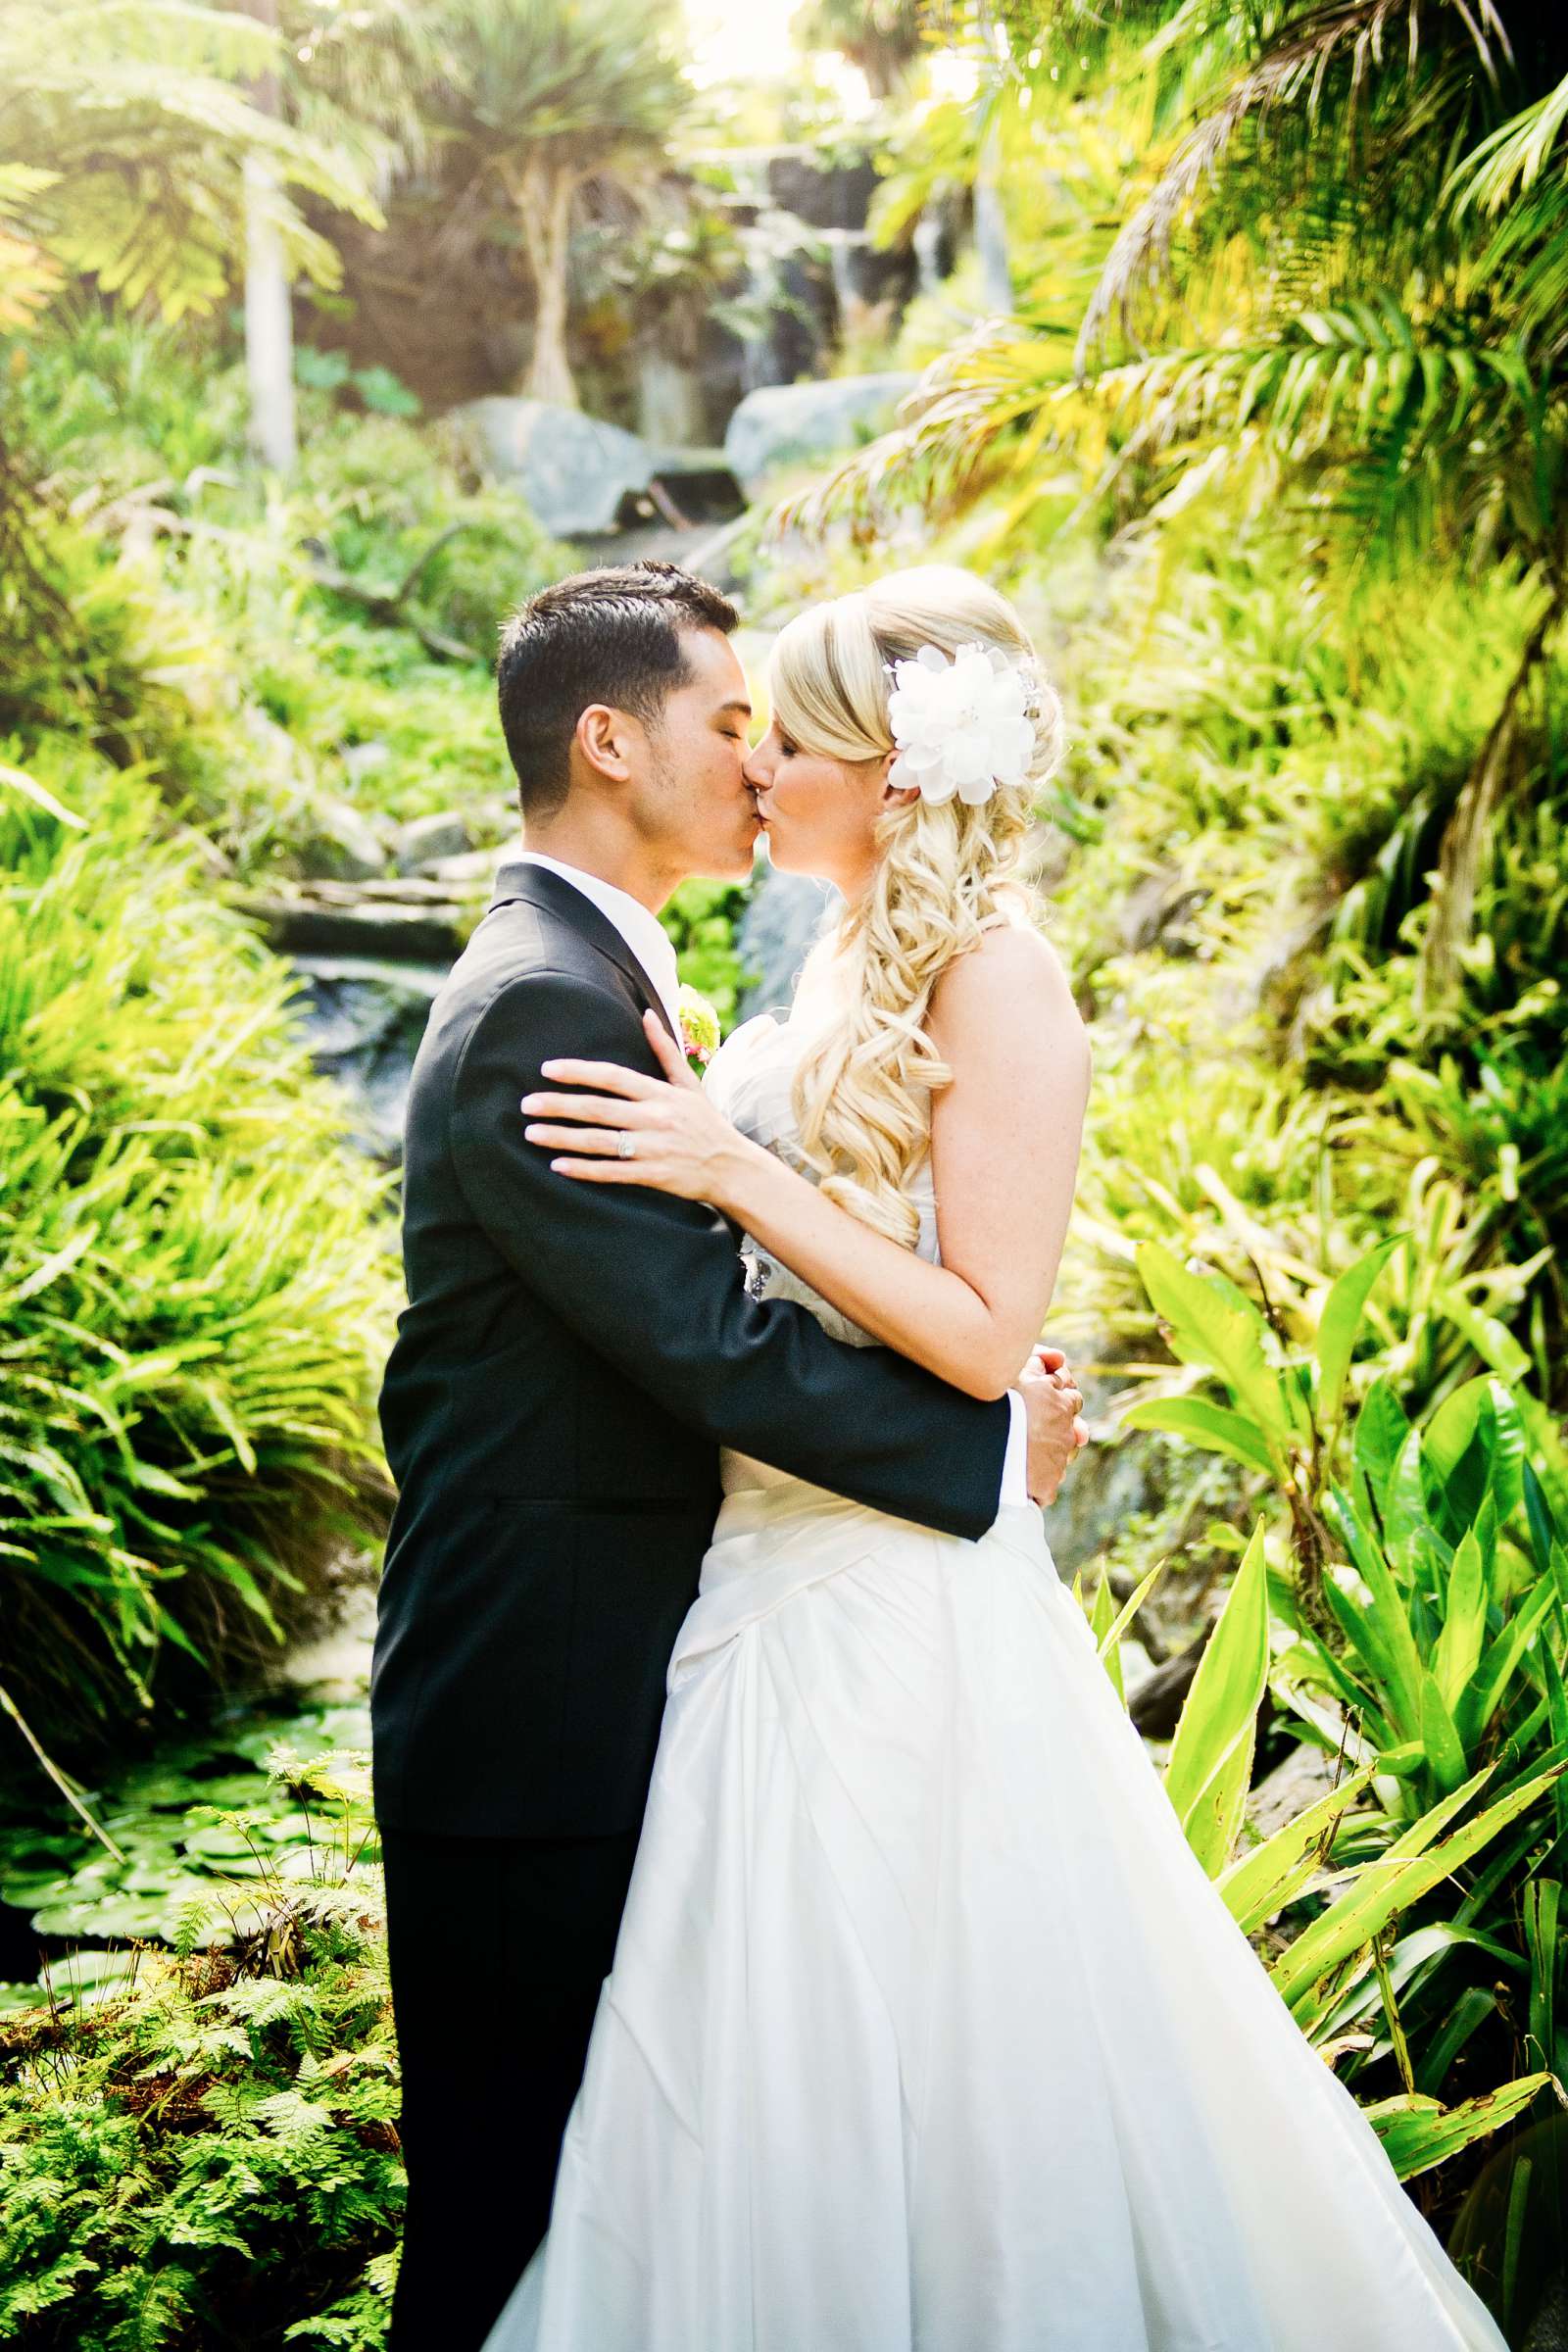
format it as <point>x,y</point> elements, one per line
<point>603,736</point>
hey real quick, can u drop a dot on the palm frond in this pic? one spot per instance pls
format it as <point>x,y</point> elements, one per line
<point>1351,36</point>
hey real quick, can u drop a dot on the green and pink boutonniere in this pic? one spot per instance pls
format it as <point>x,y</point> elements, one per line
<point>699,1029</point>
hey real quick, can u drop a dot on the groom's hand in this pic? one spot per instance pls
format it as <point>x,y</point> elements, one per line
<point>1053,1402</point>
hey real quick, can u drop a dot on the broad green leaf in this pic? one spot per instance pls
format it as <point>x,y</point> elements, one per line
<point>1371,1650</point>
<point>1131,1606</point>
<point>1492,1339</point>
<point>1262,1881</point>
<point>1213,1426</point>
<point>1213,1325</point>
<point>1210,1760</point>
<point>1418,2132</point>
<point>1439,1737</point>
<point>1388,1601</point>
<point>1340,1322</point>
<point>1475,1439</point>
<point>1483,1694</point>
<point>1388,1885</point>
<point>1100,1619</point>
<point>1381,1428</point>
<point>1464,1622</point>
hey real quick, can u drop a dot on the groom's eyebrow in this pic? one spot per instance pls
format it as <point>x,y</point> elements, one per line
<point>724,709</point>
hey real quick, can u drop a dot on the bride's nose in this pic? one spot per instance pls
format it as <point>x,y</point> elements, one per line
<point>755,768</point>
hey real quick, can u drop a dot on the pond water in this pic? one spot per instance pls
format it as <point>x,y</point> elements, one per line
<point>71,1912</point>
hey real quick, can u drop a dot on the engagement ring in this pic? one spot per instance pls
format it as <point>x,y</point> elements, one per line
<point>625,1145</point>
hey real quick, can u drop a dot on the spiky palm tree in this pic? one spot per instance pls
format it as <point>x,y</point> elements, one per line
<point>348,80</point>
<point>541,96</point>
<point>125,126</point>
<point>1345,270</point>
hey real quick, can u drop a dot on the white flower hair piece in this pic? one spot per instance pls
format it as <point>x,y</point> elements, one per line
<point>963,725</point>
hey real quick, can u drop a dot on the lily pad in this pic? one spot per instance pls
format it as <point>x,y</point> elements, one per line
<point>300,1829</point>
<point>16,1997</point>
<point>107,1915</point>
<point>215,1842</point>
<point>239,1792</point>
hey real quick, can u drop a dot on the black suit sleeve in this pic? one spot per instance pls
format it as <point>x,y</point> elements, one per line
<point>655,1286</point>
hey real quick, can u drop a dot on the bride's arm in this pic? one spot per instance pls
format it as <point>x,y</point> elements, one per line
<point>1005,1144</point>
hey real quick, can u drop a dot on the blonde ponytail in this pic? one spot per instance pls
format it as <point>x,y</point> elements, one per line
<point>945,874</point>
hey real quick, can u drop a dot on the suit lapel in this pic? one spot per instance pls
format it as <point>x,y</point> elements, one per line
<point>537,886</point>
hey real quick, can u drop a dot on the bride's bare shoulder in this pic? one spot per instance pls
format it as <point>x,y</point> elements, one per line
<point>1015,977</point>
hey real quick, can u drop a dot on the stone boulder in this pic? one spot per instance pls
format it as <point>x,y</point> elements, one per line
<point>365,1018</point>
<point>420,845</point>
<point>343,845</point>
<point>791,425</point>
<point>577,473</point>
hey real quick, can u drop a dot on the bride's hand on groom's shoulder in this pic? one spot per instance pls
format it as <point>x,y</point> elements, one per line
<point>622,1127</point>
<point>1053,1403</point>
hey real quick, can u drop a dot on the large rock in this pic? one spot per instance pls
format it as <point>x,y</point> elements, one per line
<point>577,473</point>
<point>414,921</point>
<point>789,424</point>
<point>365,1020</point>
<point>420,846</point>
<point>343,845</point>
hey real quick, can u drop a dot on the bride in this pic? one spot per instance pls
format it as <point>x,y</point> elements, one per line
<point>925,2026</point>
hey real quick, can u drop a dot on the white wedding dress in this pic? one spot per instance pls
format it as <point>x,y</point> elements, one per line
<point>926,2030</point>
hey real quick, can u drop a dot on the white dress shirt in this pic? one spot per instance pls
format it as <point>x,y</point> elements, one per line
<point>649,942</point>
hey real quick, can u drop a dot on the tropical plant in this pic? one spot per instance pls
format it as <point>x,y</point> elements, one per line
<point>202,2146</point>
<point>880,36</point>
<point>1345,1892</point>
<point>191,1288</point>
<point>105,99</point>
<point>1423,1636</point>
<point>541,96</point>
<point>1339,271</point>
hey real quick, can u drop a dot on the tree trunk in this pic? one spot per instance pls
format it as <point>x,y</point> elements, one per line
<point>269,318</point>
<point>990,218</point>
<point>990,223</point>
<point>545,213</point>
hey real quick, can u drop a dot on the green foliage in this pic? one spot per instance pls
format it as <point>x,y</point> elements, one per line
<point>383,498</point>
<point>101,100</point>
<point>247,646</point>
<point>165,1857</point>
<point>700,920</point>
<point>207,2152</point>
<point>1423,1630</point>
<point>192,1298</point>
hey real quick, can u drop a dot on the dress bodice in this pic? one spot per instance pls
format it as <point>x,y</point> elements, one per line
<point>751,1079</point>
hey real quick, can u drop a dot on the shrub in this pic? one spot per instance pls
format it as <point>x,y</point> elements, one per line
<point>192,1287</point>
<point>208,2154</point>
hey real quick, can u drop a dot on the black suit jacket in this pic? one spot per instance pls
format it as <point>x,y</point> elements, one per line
<point>571,1360</point>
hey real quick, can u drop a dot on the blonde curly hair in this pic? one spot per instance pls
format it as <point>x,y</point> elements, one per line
<point>946,873</point>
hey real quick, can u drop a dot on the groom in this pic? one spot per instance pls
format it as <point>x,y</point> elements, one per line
<point>570,1360</point>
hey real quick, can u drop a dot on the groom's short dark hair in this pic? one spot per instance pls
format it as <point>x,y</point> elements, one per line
<point>606,636</point>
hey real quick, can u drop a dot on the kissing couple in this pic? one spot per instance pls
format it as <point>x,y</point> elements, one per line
<point>793,1948</point>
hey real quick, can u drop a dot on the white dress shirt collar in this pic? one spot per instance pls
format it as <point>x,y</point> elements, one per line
<point>642,932</point>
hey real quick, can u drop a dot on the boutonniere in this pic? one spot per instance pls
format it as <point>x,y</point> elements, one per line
<point>699,1029</point>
